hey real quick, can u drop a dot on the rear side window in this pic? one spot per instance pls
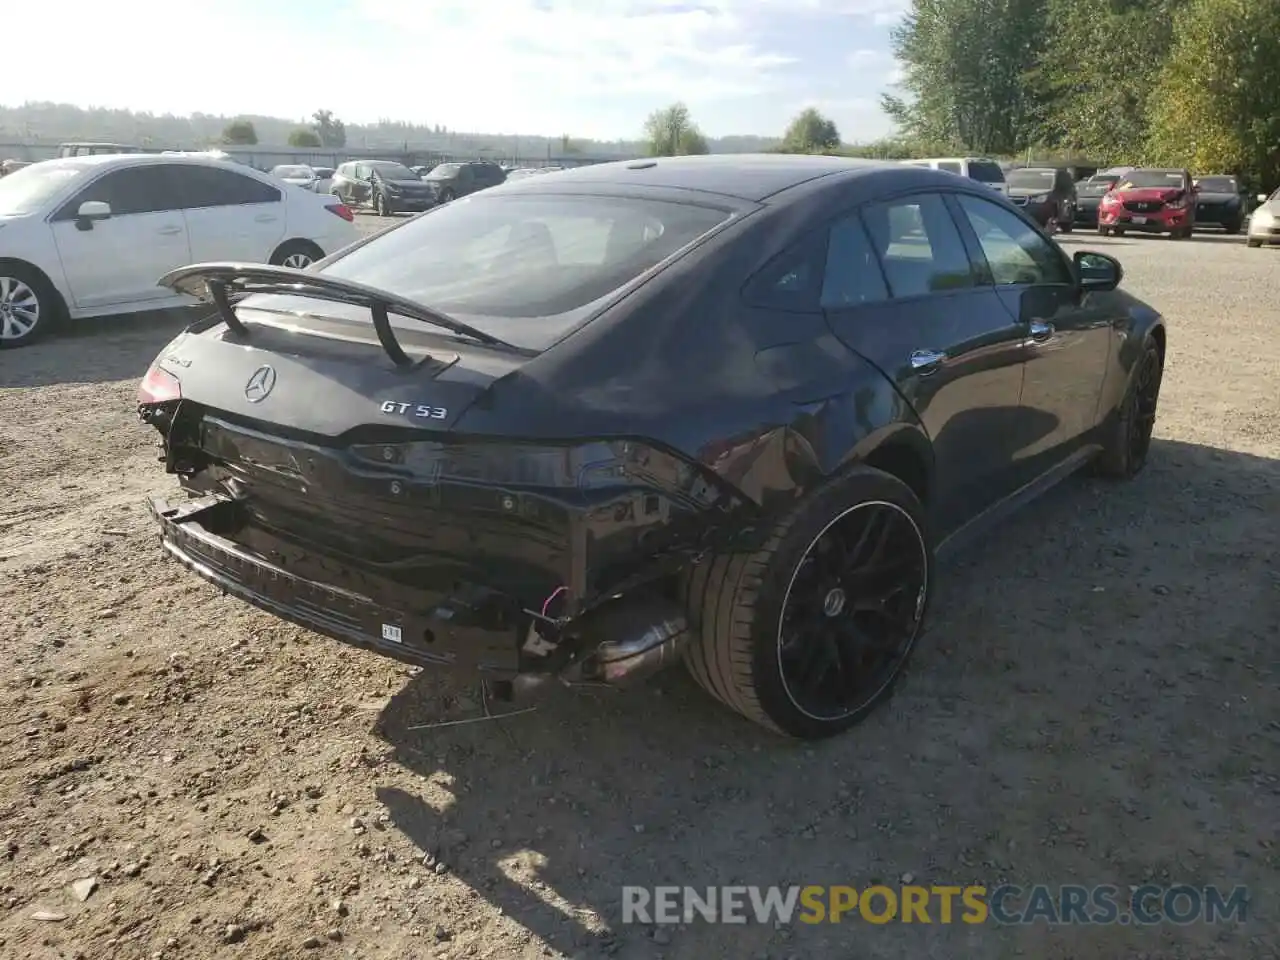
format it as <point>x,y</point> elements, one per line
<point>200,187</point>
<point>525,268</point>
<point>852,276</point>
<point>950,166</point>
<point>919,246</point>
<point>984,171</point>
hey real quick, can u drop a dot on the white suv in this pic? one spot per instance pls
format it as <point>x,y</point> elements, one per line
<point>85,236</point>
<point>975,168</point>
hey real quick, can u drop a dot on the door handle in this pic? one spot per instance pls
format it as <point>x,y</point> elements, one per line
<point>1041,331</point>
<point>265,218</point>
<point>169,231</point>
<point>925,362</point>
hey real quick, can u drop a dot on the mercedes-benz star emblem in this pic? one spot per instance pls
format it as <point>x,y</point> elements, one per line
<point>260,384</point>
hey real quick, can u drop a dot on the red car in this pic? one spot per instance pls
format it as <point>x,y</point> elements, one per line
<point>1151,201</point>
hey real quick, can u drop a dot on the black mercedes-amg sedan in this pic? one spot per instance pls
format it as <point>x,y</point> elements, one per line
<point>576,427</point>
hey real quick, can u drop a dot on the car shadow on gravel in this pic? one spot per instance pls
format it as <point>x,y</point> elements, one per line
<point>1062,723</point>
<point>96,350</point>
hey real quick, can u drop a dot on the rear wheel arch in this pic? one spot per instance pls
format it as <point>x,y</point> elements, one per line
<point>905,456</point>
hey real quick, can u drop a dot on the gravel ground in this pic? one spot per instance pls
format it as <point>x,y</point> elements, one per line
<point>1095,702</point>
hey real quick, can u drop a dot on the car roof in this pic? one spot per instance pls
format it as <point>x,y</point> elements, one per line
<point>745,176</point>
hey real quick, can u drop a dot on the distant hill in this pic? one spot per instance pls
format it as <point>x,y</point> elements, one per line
<point>58,122</point>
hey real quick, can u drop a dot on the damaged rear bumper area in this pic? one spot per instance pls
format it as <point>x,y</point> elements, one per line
<point>467,629</point>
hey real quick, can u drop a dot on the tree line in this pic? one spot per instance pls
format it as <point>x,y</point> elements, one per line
<point>1185,83</point>
<point>1180,83</point>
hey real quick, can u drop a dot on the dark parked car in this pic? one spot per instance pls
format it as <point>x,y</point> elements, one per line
<point>1047,193</point>
<point>723,408</point>
<point>453,180</point>
<point>1089,194</point>
<point>1150,200</point>
<point>389,187</point>
<point>1220,202</point>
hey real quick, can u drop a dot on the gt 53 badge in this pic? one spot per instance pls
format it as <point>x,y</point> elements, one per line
<point>420,410</point>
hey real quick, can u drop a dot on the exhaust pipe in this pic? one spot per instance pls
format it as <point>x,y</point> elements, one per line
<point>646,634</point>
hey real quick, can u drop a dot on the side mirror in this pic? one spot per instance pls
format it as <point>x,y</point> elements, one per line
<point>90,212</point>
<point>1097,271</point>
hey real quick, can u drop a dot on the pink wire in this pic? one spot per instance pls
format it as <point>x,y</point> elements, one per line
<point>547,604</point>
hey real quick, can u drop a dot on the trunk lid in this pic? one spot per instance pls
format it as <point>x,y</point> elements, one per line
<point>331,378</point>
<point>325,373</point>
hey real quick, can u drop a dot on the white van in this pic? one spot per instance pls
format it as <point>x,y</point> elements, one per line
<point>975,168</point>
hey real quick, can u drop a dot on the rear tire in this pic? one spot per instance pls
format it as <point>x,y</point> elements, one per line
<point>30,307</point>
<point>811,633</point>
<point>1127,440</point>
<point>446,195</point>
<point>1254,243</point>
<point>1233,227</point>
<point>298,254</point>
<point>1104,231</point>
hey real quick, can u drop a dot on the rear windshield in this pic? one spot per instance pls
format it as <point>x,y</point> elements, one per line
<point>445,170</point>
<point>1219,185</point>
<point>985,171</point>
<point>392,171</point>
<point>1031,178</point>
<point>526,269</point>
<point>1150,178</point>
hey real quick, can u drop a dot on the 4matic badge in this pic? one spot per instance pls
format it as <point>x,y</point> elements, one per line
<point>419,410</point>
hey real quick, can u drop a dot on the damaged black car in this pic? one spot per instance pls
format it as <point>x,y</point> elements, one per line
<point>719,410</point>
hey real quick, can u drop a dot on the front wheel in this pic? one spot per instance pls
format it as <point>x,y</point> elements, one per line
<point>29,306</point>
<point>812,632</point>
<point>1127,441</point>
<point>1255,244</point>
<point>1104,231</point>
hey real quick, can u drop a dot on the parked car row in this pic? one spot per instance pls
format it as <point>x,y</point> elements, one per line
<point>1123,199</point>
<point>389,187</point>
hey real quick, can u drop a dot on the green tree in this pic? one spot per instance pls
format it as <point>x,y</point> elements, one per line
<point>331,131</point>
<point>670,132</point>
<point>240,132</point>
<point>965,65</point>
<point>1216,107</point>
<point>305,137</point>
<point>1093,89</point>
<point>810,132</point>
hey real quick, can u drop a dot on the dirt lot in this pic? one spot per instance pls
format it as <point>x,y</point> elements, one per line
<point>1096,702</point>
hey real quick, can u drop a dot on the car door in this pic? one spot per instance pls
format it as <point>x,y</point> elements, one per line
<point>230,216</point>
<point>1066,335</point>
<point>362,184</point>
<point>900,289</point>
<point>118,260</point>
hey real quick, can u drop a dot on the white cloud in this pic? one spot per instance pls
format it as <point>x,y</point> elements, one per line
<point>588,68</point>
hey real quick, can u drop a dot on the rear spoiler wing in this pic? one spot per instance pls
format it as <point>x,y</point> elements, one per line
<point>218,282</point>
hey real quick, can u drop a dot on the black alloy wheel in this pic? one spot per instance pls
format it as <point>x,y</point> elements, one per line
<point>1141,417</point>
<point>807,635</point>
<point>852,611</point>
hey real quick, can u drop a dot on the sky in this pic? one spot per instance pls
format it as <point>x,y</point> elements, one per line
<point>545,67</point>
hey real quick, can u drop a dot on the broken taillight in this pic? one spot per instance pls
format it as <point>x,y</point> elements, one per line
<point>158,386</point>
<point>341,210</point>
